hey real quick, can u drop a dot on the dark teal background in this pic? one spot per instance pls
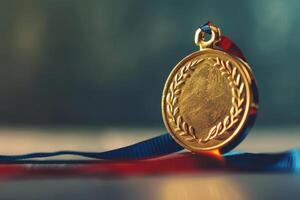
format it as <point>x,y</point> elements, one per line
<point>68,62</point>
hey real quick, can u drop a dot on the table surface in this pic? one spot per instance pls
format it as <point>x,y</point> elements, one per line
<point>204,184</point>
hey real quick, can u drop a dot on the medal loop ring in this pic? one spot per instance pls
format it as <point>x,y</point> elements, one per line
<point>213,40</point>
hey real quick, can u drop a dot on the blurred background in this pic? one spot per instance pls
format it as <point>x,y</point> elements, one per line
<point>88,75</point>
<point>104,63</point>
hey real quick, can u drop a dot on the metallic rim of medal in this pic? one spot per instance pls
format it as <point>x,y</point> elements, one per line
<point>184,133</point>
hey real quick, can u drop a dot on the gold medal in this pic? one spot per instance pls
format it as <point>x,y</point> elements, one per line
<point>209,100</point>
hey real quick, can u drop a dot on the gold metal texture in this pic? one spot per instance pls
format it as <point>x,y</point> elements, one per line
<point>209,97</point>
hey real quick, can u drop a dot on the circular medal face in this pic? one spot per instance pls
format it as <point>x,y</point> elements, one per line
<point>208,100</point>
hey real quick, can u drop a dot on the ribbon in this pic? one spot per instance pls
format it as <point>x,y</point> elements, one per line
<point>154,147</point>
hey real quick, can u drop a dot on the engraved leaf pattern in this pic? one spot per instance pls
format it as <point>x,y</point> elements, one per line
<point>237,87</point>
<point>182,127</point>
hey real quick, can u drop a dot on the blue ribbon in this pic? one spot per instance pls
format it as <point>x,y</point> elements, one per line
<point>154,147</point>
<point>205,28</point>
<point>288,161</point>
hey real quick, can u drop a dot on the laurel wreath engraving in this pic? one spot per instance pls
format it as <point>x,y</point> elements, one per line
<point>182,127</point>
<point>237,89</point>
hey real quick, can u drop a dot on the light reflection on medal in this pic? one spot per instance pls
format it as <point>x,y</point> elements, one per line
<point>210,98</point>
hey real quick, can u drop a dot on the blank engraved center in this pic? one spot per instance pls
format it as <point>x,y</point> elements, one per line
<point>205,99</point>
